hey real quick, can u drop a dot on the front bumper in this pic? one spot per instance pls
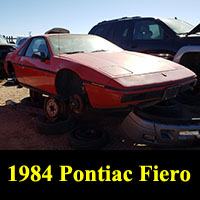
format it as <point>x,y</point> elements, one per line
<point>149,132</point>
<point>106,97</point>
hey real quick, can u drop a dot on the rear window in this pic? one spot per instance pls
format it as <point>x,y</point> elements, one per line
<point>178,26</point>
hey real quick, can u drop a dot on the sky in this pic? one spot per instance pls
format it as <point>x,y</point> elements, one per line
<point>20,17</point>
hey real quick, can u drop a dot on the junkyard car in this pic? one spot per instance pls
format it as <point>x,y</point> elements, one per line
<point>87,70</point>
<point>4,49</point>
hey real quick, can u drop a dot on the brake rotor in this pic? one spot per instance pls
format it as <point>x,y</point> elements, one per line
<point>76,104</point>
<point>52,108</point>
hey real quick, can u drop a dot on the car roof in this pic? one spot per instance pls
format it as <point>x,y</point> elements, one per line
<point>131,18</point>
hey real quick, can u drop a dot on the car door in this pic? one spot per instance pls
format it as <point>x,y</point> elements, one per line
<point>149,36</point>
<point>35,69</point>
<point>121,33</point>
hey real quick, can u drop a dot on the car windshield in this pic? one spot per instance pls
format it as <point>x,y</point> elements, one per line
<point>178,26</point>
<point>2,40</point>
<point>71,44</point>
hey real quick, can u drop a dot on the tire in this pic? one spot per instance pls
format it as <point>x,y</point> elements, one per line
<point>43,126</point>
<point>54,109</point>
<point>87,137</point>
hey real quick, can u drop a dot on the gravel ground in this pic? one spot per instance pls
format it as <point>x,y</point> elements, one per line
<point>18,131</point>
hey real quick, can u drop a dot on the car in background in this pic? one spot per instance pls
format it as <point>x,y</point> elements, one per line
<point>168,123</point>
<point>88,71</point>
<point>169,38</point>
<point>20,41</point>
<point>5,48</point>
<point>57,31</point>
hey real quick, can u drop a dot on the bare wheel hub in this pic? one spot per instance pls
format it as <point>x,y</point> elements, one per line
<point>76,104</point>
<point>52,108</point>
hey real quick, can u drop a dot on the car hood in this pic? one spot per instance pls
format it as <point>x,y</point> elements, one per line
<point>120,64</point>
<point>195,30</point>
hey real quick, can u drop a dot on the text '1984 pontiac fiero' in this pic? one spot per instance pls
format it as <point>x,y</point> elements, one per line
<point>87,70</point>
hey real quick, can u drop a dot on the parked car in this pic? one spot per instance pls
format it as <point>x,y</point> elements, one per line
<point>87,70</point>
<point>57,30</point>
<point>4,49</point>
<point>20,41</point>
<point>172,39</point>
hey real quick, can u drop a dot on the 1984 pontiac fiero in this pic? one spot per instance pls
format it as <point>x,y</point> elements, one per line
<point>87,69</point>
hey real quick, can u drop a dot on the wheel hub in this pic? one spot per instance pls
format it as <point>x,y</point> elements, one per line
<point>76,104</point>
<point>52,108</point>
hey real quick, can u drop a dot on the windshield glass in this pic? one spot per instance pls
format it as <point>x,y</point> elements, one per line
<point>2,40</point>
<point>178,26</point>
<point>70,44</point>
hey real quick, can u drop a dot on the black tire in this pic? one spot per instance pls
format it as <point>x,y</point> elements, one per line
<point>87,137</point>
<point>43,126</point>
<point>54,109</point>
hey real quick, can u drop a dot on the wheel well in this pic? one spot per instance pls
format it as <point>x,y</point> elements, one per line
<point>67,83</point>
<point>191,60</point>
<point>10,68</point>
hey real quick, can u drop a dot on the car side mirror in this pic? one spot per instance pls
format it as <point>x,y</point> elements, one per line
<point>40,55</point>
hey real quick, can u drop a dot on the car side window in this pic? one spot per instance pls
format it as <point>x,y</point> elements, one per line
<point>122,30</point>
<point>101,30</point>
<point>37,45</point>
<point>147,30</point>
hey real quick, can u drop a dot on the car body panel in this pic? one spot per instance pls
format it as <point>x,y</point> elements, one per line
<point>145,131</point>
<point>107,76</point>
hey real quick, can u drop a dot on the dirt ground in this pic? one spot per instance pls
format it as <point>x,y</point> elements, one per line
<point>18,132</point>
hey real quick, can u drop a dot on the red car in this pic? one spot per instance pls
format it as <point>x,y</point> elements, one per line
<point>87,70</point>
